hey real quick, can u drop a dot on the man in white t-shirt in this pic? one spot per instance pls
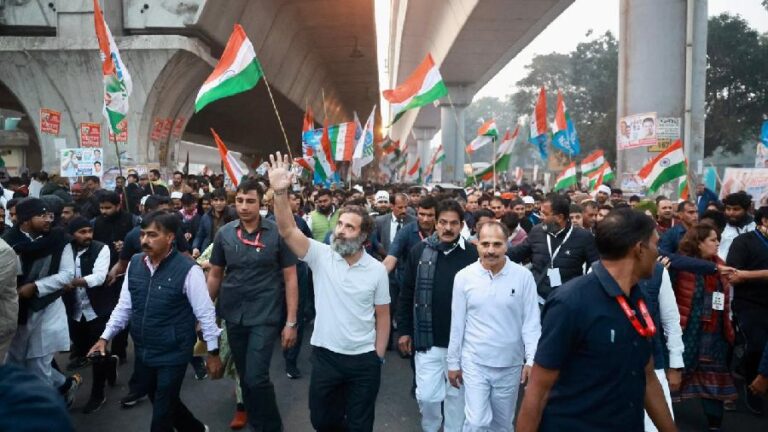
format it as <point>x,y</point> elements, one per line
<point>352,304</point>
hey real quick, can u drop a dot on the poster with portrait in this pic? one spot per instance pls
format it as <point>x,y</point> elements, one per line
<point>667,132</point>
<point>752,180</point>
<point>90,134</point>
<point>50,121</point>
<point>637,130</point>
<point>79,162</point>
<point>761,156</point>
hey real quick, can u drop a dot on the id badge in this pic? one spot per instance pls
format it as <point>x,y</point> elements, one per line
<point>554,277</point>
<point>718,301</point>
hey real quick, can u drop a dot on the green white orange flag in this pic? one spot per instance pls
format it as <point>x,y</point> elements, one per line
<point>592,162</point>
<point>666,166</point>
<point>324,166</point>
<point>231,165</point>
<point>117,81</point>
<point>485,135</point>
<point>424,86</point>
<point>504,152</point>
<point>567,178</point>
<point>238,70</point>
<point>602,175</point>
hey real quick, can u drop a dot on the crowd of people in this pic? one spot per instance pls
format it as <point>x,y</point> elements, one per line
<point>603,308</point>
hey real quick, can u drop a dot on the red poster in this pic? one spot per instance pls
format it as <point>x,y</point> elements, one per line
<point>122,137</point>
<point>166,131</point>
<point>157,130</point>
<point>50,121</point>
<point>178,128</point>
<point>90,135</point>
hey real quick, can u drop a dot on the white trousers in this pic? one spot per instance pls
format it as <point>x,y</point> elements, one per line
<point>433,390</point>
<point>490,397</point>
<point>661,374</point>
<point>41,367</point>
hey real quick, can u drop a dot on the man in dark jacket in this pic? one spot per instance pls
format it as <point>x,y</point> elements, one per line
<point>558,251</point>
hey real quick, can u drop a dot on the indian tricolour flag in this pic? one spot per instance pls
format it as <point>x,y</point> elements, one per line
<point>424,86</point>
<point>233,168</point>
<point>342,137</point>
<point>485,135</point>
<point>364,147</point>
<point>539,123</point>
<point>238,70</point>
<point>600,176</point>
<point>504,152</point>
<point>567,178</point>
<point>665,167</point>
<point>592,162</point>
<point>437,158</point>
<point>117,80</point>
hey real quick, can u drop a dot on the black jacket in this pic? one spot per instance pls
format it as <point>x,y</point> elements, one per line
<point>578,250</point>
<point>103,298</point>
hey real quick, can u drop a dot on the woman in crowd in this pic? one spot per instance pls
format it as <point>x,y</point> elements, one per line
<point>704,304</point>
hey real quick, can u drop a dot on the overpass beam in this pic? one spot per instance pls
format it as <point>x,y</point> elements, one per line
<point>452,132</point>
<point>423,137</point>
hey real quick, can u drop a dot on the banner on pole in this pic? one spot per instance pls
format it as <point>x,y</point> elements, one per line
<point>637,130</point>
<point>90,134</point>
<point>50,121</point>
<point>81,162</point>
<point>667,132</point>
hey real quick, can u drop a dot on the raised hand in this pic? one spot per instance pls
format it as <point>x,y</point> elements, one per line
<point>280,175</point>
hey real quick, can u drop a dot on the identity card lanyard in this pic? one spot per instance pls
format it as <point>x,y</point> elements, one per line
<point>650,328</point>
<point>552,255</point>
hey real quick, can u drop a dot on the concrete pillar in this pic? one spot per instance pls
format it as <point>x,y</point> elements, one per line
<point>423,138</point>
<point>452,132</point>
<point>652,72</point>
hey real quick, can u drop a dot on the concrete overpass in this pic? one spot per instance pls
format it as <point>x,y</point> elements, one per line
<point>472,40</point>
<point>49,59</point>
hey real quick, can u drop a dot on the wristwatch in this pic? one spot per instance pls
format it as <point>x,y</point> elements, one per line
<point>214,352</point>
<point>291,324</point>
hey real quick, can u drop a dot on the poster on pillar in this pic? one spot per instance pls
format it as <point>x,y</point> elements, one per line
<point>81,162</point>
<point>637,130</point>
<point>120,138</point>
<point>165,132</point>
<point>157,130</point>
<point>178,128</point>
<point>90,134</point>
<point>667,132</point>
<point>50,121</point>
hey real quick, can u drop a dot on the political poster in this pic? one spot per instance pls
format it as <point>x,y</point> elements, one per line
<point>761,156</point>
<point>165,132</point>
<point>752,180</point>
<point>178,128</point>
<point>81,162</point>
<point>50,121</point>
<point>637,130</point>
<point>157,129</point>
<point>122,137</point>
<point>667,132</point>
<point>90,134</point>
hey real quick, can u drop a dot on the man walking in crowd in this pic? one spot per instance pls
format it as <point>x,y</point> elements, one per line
<point>219,215</point>
<point>593,369</point>
<point>688,216</point>
<point>163,295</point>
<point>749,254</point>
<point>253,275</point>
<point>665,215</point>
<point>424,316</point>
<point>495,327</point>
<point>9,298</point>
<point>352,322</point>
<point>89,303</point>
<point>324,217</point>
<point>557,250</point>
<point>47,267</point>
<point>588,215</point>
<point>412,234</point>
<point>737,206</point>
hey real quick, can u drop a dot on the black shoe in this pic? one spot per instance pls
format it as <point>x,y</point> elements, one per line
<point>131,400</point>
<point>292,371</point>
<point>112,363</point>
<point>94,404</point>
<point>753,402</point>
<point>201,372</point>
<point>77,363</point>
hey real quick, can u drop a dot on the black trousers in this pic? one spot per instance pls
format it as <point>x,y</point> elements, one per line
<point>163,385</point>
<point>343,390</point>
<point>252,350</point>
<point>85,333</point>
<point>291,355</point>
<point>753,321</point>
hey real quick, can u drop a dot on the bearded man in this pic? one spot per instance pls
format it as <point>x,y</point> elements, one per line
<point>352,302</point>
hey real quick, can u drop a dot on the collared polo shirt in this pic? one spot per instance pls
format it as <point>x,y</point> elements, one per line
<point>600,356</point>
<point>253,289</point>
<point>345,299</point>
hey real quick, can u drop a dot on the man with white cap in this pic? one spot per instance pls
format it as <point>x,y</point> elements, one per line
<point>176,200</point>
<point>602,195</point>
<point>530,210</point>
<point>382,205</point>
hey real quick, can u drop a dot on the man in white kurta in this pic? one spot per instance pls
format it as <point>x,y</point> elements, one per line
<point>495,327</point>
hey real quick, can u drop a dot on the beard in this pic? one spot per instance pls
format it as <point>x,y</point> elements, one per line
<point>346,246</point>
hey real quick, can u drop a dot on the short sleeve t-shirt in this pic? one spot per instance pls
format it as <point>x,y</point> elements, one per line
<point>345,299</point>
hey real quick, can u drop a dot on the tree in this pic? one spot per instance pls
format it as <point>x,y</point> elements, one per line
<point>737,83</point>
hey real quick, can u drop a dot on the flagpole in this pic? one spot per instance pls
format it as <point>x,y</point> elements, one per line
<point>120,169</point>
<point>279,121</point>
<point>493,161</point>
<point>461,139</point>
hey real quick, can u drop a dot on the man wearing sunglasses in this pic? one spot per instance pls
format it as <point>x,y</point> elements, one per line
<point>253,272</point>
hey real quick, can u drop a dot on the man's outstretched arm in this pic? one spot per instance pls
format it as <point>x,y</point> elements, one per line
<point>280,179</point>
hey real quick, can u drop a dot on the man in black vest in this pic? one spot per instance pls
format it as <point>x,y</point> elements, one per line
<point>163,295</point>
<point>89,303</point>
<point>424,315</point>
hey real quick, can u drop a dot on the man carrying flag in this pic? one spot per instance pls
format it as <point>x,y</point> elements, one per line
<point>117,81</point>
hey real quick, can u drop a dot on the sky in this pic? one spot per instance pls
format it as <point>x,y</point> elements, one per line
<point>571,27</point>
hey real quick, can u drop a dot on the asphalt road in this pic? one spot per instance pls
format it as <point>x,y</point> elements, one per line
<point>213,402</point>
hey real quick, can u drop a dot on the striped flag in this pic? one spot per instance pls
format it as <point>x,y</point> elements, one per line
<point>229,161</point>
<point>592,162</point>
<point>342,139</point>
<point>414,169</point>
<point>309,125</point>
<point>324,165</point>
<point>567,178</point>
<point>424,86</point>
<point>539,124</point>
<point>564,136</point>
<point>437,158</point>
<point>485,135</point>
<point>364,148</point>
<point>504,152</point>
<point>117,81</point>
<point>238,70</point>
<point>600,176</point>
<point>666,166</point>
